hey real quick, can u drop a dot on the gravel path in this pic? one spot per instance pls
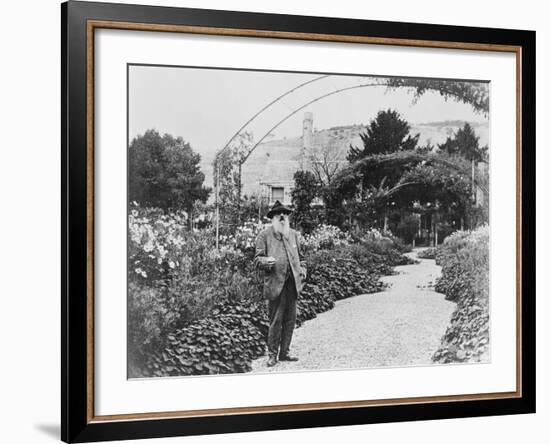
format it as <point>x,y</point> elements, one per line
<point>400,326</point>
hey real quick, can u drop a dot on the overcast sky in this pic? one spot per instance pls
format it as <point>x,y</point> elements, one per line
<point>207,106</point>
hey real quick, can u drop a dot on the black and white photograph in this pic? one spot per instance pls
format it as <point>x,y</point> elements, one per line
<point>295,221</point>
<point>241,222</point>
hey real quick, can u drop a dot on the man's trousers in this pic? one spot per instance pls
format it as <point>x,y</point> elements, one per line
<point>282,318</point>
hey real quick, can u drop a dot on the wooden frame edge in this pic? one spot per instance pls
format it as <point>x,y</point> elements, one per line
<point>236,32</point>
<point>90,208</point>
<point>303,407</point>
<point>519,222</point>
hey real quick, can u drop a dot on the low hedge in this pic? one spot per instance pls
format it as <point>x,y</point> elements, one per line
<point>225,342</point>
<point>464,257</point>
<point>234,334</point>
<point>337,274</point>
<point>427,253</point>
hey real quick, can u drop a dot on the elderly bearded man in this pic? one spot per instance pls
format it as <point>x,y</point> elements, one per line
<point>278,255</point>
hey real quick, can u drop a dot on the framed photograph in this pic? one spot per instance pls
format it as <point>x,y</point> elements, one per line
<point>275,221</point>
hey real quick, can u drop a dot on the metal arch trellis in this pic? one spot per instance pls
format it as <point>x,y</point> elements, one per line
<point>288,116</point>
<point>427,157</point>
<point>260,111</point>
<point>280,122</point>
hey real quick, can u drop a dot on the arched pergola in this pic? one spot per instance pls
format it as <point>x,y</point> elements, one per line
<point>461,91</point>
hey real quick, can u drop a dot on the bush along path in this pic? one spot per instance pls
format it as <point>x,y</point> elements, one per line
<point>233,334</point>
<point>464,257</point>
<point>399,326</point>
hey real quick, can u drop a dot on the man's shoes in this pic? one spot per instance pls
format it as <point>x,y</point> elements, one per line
<point>288,357</point>
<point>271,361</point>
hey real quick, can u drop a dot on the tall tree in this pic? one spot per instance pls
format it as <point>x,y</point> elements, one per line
<point>304,192</point>
<point>387,133</point>
<point>164,172</point>
<point>466,144</point>
<point>327,159</point>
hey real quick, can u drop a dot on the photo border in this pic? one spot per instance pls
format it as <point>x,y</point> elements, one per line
<point>79,21</point>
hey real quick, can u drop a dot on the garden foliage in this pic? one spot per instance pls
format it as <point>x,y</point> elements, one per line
<point>464,258</point>
<point>164,172</point>
<point>304,192</point>
<point>194,310</point>
<point>427,253</point>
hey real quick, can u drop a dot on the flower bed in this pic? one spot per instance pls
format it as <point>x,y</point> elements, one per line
<point>225,342</point>
<point>464,257</point>
<point>337,274</point>
<point>427,253</point>
<point>205,314</point>
<point>234,334</point>
<point>176,278</point>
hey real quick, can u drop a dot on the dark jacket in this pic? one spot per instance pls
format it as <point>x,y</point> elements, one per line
<point>286,252</point>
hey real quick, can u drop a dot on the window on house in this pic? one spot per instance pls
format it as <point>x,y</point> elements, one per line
<point>277,193</point>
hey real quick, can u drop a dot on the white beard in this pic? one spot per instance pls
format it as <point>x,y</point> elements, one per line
<point>280,227</point>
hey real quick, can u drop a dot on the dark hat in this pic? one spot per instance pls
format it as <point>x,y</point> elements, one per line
<point>278,208</point>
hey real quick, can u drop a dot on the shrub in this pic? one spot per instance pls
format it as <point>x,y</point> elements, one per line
<point>408,227</point>
<point>194,310</point>
<point>176,277</point>
<point>464,257</point>
<point>225,342</point>
<point>400,246</point>
<point>345,271</point>
<point>305,190</point>
<point>325,237</point>
<point>147,315</point>
<point>156,310</point>
<point>235,331</point>
<point>427,253</point>
<point>244,237</point>
<point>380,241</point>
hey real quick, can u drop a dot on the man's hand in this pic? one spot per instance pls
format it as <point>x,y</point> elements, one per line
<point>303,272</point>
<point>269,262</point>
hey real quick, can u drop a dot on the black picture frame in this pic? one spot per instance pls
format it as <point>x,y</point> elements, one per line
<point>77,424</point>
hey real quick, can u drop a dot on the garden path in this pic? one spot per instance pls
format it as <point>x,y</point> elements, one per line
<point>399,326</point>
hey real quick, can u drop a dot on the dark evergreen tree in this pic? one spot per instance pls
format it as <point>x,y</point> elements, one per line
<point>304,192</point>
<point>387,133</point>
<point>466,144</point>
